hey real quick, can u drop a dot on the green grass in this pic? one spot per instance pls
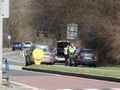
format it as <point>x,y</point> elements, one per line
<point>90,71</point>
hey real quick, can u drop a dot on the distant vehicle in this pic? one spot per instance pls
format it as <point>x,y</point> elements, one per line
<point>84,57</point>
<point>27,44</point>
<point>17,45</point>
<point>47,59</point>
<point>59,50</point>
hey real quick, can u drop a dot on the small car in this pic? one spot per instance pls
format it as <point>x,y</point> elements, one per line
<point>17,45</point>
<point>47,59</point>
<point>83,57</point>
<point>27,44</point>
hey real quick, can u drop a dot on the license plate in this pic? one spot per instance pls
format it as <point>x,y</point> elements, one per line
<point>87,57</point>
<point>46,56</point>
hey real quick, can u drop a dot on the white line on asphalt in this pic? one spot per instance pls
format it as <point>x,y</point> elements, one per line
<point>10,53</point>
<point>114,88</point>
<point>14,67</point>
<point>92,89</point>
<point>15,61</point>
<point>63,89</point>
<point>104,89</point>
<point>26,86</point>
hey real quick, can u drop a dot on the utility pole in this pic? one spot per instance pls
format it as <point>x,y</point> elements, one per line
<point>4,13</point>
<point>1,37</point>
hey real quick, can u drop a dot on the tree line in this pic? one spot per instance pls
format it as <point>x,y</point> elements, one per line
<point>98,24</point>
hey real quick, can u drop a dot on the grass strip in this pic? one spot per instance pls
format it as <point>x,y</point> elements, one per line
<point>81,70</point>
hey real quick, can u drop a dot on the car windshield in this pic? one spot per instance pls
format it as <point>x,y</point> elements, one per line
<point>16,43</point>
<point>55,50</point>
<point>27,42</point>
<point>77,51</point>
<point>45,48</point>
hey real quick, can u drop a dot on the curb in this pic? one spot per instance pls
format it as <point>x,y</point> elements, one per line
<point>74,74</point>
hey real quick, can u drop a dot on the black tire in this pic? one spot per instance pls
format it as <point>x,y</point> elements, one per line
<point>75,63</point>
<point>13,49</point>
<point>52,63</point>
<point>94,65</point>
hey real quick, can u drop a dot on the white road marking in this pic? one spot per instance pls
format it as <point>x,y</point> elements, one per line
<point>15,61</point>
<point>25,86</point>
<point>10,53</point>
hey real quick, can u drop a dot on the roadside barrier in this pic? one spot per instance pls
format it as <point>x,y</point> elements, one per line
<point>6,73</point>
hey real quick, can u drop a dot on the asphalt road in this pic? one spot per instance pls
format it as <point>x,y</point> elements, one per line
<point>46,81</point>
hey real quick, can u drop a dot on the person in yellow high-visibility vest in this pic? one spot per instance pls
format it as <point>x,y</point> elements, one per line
<point>66,54</point>
<point>72,49</point>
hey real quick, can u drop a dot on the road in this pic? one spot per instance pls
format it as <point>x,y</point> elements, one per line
<point>46,81</point>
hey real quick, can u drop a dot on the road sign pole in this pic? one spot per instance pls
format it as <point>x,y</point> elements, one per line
<point>1,41</point>
<point>4,13</point>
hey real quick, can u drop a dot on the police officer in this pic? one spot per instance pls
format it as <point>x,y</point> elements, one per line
<point>72,49</point>
<point>66,54</point>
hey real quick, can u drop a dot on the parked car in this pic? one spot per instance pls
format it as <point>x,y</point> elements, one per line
<point>58,52</point>
<point>47,59</point>
<point>84,57</point>
<point>57,58</point>
<point>17,45</point>
<point>27,44</point>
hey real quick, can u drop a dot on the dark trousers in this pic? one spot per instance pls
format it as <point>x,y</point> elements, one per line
<point>66,59</point>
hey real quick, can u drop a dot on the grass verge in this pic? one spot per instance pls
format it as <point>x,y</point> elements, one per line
<point>90,71</point>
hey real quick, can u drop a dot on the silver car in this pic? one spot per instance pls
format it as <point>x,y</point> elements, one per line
<point>47,59</point>
<point>27,44</point>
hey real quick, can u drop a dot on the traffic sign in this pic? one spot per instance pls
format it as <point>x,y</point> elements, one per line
<point>72,30</point>
<point>5,8</point>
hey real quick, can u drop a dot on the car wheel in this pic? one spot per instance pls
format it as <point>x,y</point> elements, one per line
<point>75,63</point>
<point>94,65</point>
<point>52,63</point>
<point>13,49</point>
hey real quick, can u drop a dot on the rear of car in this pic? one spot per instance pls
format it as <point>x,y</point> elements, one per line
<point>59,55</point>
<point>85,57</point>
<point>47,54</point>
<point>27,44</point>
<point>17,45</point>
<point>47,59</point>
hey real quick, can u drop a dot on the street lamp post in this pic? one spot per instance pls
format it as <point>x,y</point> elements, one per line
<point>4,13</point>
<point>9,38</point>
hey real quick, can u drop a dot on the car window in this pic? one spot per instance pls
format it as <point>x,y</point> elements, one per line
<point>27,42</point>
<point>45,48</point>
<point>77,51</point>
<point>55,50</point>
<point>87,51</point>
<point>16,42</point>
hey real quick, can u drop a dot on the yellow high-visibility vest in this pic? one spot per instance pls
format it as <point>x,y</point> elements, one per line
<point>72,49</point>
<point>66,50</point>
